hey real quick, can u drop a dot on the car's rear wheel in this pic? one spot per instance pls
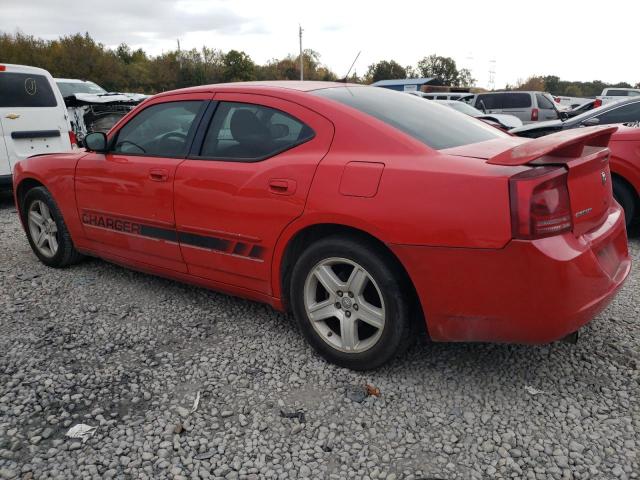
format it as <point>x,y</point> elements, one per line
<point>349,302</point>
<point>46,231</point>
<point>626,197</point>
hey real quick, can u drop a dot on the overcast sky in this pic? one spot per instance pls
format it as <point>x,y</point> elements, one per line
<point>576,40</point>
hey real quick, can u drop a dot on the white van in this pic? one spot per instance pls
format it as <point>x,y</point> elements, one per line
<point>33,117</point>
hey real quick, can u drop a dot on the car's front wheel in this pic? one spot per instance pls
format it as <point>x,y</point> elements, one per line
<point>47,233</point>
<point>349,301</point>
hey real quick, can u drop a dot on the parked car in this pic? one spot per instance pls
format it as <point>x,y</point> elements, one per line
<point>625,170</point>
<point>358,208</point>
<point>460,96</point>
<point>502,121</point>
<point>527,106</point>
<point>625,161</point>
<point>93,109</point>
<point>33,119</point>
<point>619,112</point>
<point>615,94</point>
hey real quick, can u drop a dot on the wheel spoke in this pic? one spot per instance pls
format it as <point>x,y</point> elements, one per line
<point>36,218</point>
<point>44,210</point>
<point>42,236</point>
<point>374,316</point>
<point>357,280</point>
<point>329,280</point>
<point>348,333</point>
<point>53,243</point>
<point>322,310</point>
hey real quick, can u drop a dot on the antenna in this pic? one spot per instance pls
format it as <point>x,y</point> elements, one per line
<point>301,58</point>
<point>354,62</point>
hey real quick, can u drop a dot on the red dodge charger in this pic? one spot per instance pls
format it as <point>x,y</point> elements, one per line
<point>367,213</point>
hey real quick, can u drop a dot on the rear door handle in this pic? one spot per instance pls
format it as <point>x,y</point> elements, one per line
<point>158,175</point>
<point>282,186</point>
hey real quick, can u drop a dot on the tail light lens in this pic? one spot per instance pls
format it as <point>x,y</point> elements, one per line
<point>540,204</point>
<point>534,114</point>
<point>597,103</point>
<point>73,139</point>
<point>2,68</point>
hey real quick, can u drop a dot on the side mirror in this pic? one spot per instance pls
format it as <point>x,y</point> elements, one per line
<point>96,142</point>
<point>591,122</point>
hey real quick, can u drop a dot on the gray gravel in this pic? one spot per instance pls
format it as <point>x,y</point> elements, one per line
<point>126,352</point>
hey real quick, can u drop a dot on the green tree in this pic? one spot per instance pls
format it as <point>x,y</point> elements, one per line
<point>443,68</point>
<point>385,70</point>
<point>238,67</point>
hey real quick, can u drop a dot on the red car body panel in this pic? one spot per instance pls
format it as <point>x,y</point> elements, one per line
<point>444,214</point>
<point>625,155</point>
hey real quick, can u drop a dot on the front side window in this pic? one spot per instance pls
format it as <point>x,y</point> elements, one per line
<point>245,131</point>
<point>623,114</point>
<point>159,130</point>
<point>437,126</point>
<point>25,90</point>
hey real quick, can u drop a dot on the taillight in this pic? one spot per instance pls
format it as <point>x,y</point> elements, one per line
<point>540,204</point>
<point>73,139</point>
<point>3,68</point>
<point>534,114</point>
<point>597,103</point>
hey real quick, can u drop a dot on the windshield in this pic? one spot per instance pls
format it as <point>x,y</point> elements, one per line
<point>71,88</point>
<point>465,108</point>
<point>435,125</point>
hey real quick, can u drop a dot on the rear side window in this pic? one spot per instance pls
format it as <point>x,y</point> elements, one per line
<point>437,126</point>
<point>160,130</point>
<point>516,100</point>
<point>544,102</point>
<point>489,101</point>
<point>249,132</point>
<point>25,90</point>
<point>623,114</point>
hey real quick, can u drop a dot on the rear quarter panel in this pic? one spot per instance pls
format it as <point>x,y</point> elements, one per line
<point>625,160</point>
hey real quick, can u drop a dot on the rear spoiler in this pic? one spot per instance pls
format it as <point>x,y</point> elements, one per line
<point>566,144</point>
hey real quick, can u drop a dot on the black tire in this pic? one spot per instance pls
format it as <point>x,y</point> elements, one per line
<point>66,253</point>
<point>398,332</point>
<point>626,197</point>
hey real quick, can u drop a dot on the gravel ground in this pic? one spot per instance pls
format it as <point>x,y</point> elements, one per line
<point>129,353</point>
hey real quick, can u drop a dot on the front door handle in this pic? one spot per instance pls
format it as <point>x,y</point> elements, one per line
<point>158,175</point>
<point>282,186</point>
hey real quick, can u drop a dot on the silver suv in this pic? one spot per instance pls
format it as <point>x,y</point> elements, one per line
<point>527,106</point>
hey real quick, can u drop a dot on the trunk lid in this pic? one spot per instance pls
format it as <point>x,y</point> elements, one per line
<point>584,154</point>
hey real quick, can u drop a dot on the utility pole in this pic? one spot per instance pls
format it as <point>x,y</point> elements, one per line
<point>301,58</point>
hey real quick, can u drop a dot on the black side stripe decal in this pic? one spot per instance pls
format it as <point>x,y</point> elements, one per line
<point>201,241</point>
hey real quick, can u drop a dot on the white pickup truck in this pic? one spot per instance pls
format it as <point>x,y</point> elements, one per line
<point>614,94</point>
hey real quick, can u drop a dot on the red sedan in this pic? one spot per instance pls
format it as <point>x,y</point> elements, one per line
<point>367,213</point>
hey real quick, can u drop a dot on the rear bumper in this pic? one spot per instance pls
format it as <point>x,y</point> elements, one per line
<point>528,292</point>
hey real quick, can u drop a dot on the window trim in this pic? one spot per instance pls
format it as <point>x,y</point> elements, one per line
<point>190,136</point>
<point>205,124</point>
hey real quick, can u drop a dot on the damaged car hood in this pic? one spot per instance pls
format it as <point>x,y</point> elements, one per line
<point>114,97</point>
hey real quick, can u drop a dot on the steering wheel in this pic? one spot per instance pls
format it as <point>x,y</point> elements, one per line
<point>120,144</point>
<point>177,135</point>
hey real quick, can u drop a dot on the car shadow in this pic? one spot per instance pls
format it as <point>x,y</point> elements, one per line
<point>6,200</point>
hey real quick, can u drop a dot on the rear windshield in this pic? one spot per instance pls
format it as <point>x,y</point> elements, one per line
<point>25,90</point>
<point>71,88</point>
<point>435,125</point>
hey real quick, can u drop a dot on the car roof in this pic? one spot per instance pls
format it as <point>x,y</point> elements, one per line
<point>296,85</point>
<point>10,67</point>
